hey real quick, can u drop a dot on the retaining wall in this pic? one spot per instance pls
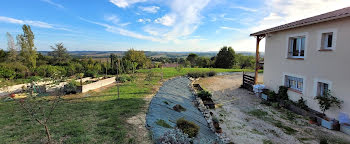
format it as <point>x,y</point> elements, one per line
<point>98,84</point>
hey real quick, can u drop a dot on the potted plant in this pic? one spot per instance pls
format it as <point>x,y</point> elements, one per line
<point>215,122</point>
<point>326,102</point>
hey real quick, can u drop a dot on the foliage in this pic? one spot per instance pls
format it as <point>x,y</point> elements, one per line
<point>179,68</point>
<point>175,136</point>
<point>327,101</point>
<point>90,73</point>
<point>179,108</point>
<point>204,94</point>
<point>28,52</point>
<point>124,78</point>
<point>197,74</point>
<point>258,113</point>
<point>211,73</point>
<point>188,127</point>
<point>243,61</point>
<point>149,76</point>
<point>272,96</point>
<point>283,93</point>
<point>302,103</point>
<point>71,87</point>
<point>7,73</point>
<point>192,59</point>
<point>225,58</point>
<point>50,71</point>
<point>11,48</point>
<point>59,54</point>
<point>138,57</point>
<point>163,124</point>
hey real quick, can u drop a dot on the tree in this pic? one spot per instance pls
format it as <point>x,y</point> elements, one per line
<point>28,52</point>
<point>12,51</point>
<point>38,107</point>
<point>192,59</point>
<point>139,57</point>
<point>327,100</point>
<point>59,54</point>
<point>225,58</point>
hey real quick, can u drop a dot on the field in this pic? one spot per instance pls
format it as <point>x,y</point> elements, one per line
<point>93,117</point>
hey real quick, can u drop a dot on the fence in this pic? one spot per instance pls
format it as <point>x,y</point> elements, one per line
<point>248,82</point>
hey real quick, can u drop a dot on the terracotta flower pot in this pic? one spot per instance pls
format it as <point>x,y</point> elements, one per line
<point>216,125</point>
<point>312,122</point>
<point>218,130</point>
<point>12,95</point>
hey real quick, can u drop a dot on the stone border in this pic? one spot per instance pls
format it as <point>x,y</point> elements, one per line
<point>206,112</point>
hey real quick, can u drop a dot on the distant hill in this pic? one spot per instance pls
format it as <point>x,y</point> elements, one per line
<point>104,54</point>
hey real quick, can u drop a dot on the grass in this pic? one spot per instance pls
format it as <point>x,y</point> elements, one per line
<point>267,142</point>
<point>96,117</point>
<point>163,124</point>
<point>258,113</point>
<point>264,116</point>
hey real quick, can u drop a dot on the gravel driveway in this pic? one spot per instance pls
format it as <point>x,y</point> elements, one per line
<point>245,120</point>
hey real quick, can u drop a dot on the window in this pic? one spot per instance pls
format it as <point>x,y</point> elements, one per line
<point>294,83</point>
<point>327,41</point>
<point>296,47</point>
<point>322,88</point>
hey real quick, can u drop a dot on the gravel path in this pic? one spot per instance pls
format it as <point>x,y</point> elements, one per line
<point>176,91</point>
<point>245,120</point>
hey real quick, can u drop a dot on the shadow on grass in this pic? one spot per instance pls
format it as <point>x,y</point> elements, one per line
<point>72,122</point>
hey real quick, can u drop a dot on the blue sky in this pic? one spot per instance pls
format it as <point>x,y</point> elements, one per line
<point>157,25</point>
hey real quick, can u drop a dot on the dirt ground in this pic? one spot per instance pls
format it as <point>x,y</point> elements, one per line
<point>245,120</point>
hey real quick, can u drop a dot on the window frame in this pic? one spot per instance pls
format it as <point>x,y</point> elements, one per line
<point>321,43</point>
<point>316,85</point>
<point>289,37</point>
<point>295,79</point>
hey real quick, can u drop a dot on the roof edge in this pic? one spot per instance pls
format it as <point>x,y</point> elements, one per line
<point>264,32</point>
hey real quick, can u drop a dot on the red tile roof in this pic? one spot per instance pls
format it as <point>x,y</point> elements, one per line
<point>341,13</point>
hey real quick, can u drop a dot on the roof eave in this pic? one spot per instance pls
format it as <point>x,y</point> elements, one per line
<point>264,32</point>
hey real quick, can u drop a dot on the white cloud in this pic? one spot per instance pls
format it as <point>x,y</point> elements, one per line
<point>124,32</point>
<point>115,20</point>
<point>150,9</point>
<point>125,3</point>
<point>167,20</point>
<point>53,3</point>
<point>112,18</point>
<point>31,23</point>
<point>184,18</point>
<point>144,20</point>
<point>230,28</point>
<point>244,8</point>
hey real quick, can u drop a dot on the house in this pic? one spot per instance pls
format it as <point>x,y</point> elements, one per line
<point>310,56</point>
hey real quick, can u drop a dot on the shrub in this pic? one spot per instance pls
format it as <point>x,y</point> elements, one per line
<point>90,73</point>
<point>302,103</point>
<point>196,74</point>
<point>179,108</point>
<point>187,127</point>
<point>71,87</point>
<point>203,94</point>
<point>163,124</point>
<point>327,101</point>
<point>7,73</point>
<point>211,73</point>
<point>282,93</point>
<point>50,71</point>
<point>174,136</point>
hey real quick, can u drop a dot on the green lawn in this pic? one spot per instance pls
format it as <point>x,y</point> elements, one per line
<point>96,117</point>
